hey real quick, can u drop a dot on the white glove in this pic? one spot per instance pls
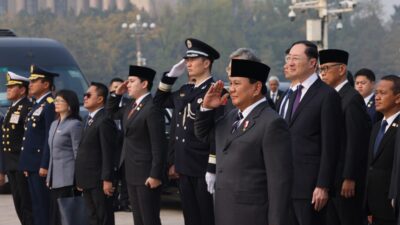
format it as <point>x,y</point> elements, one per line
<point>178,69</point>
<point>210,180</point>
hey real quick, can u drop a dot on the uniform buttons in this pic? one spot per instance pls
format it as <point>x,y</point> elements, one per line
<point>8,136</point>
<point>26,128</point>
<point>22,148</point>
<point>176,138</point>
<point>3,136</point>
<point>183,140</point>
<point>38,150</point>
<point>8,142</point>
<point>184,128</point>
<point>4,142</point>
<point>177,125</point>
<point>180,113</point>
<point>23,138</point>
<point>4,149</point>
<point>9,149</point>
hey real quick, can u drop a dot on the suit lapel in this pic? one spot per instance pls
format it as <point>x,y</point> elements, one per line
<point>387,137</point>
<point>343,91</point>
<point>246,125</point>
<point>313,90</point>
<point>137,111</point>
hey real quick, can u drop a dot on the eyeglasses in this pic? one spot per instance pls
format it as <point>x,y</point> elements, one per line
<point>88,95</point>
<point>293,59</point>
<point>325,69</point>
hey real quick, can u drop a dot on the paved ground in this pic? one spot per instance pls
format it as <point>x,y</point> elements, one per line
<point>170,213</point>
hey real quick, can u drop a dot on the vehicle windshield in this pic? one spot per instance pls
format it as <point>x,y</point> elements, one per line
<point>70,78</point>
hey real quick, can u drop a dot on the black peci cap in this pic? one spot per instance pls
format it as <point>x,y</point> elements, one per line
<point>250,69</point>
<point>142,72</point>
<point>334,56</point>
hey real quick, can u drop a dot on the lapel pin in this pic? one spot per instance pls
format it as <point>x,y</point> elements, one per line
<point>395,125</point>
<point>199,101</point>
<point>246,124</point>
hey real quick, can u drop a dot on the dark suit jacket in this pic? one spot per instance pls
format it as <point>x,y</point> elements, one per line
<point>254,166</point>
<point>145,144</point>
<point>13,131</point>
<point>380,171</point>
<point>280,95</point>
<point>94,161</point>
<point>354,138</point>
<point>314,128</point>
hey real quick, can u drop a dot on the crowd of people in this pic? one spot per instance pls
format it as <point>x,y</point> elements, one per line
<point>323,151</point>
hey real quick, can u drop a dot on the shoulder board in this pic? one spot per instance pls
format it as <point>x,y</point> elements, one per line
<point>50,100</point>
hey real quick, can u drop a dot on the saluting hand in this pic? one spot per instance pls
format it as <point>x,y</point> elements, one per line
<point>122,88</point>
<point>348,188</point>
<point>152,182</point>
<point>213,98</point>
<point>2,179</point>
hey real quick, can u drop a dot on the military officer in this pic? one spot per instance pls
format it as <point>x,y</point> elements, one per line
<point>191,155</point>
<point>34,159</point>
<point>13,130</point>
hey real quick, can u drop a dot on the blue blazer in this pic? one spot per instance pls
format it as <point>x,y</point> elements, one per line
<point>64,137</point>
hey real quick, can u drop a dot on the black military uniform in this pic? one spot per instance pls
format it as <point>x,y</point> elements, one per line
<point>35,152</point>
<point>191,155</point>
<point>13,130</point>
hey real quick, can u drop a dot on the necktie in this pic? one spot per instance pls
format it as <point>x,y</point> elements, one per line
<point>285,101</point>
<point>379,137</point>
<point>273,97</point>
<point>236,124</point>
<point>297,99</point>
<point>132,110</point>
<point>89,121</point>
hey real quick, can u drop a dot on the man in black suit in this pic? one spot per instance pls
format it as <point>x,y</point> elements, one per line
<point>365,84</point>
<point>254,162</point>
<point>94,161</point>
<point>312,114</point>
<point>274,93</point>
<point>13,130</point>
<point>144,145</point>
<point>346,207</point>
<point>382,151</point>
<point>191,155</point>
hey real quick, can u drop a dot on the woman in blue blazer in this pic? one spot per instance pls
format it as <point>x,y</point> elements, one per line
<point>64,136</point>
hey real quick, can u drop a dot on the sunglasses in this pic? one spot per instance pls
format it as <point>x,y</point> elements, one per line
<point>88,95</point>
